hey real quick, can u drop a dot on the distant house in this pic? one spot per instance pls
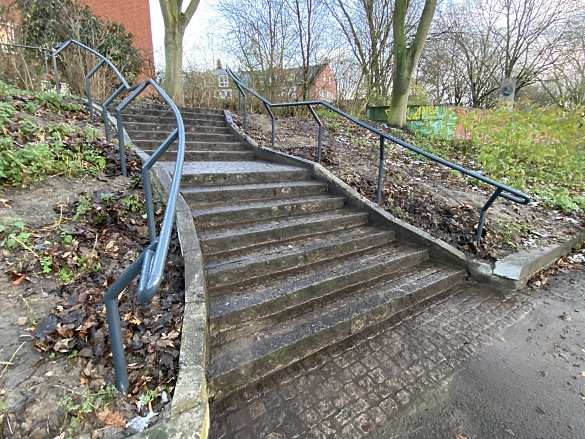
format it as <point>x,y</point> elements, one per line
<point>287,84</point>
<point>322,84</point>
<point>221,84</point>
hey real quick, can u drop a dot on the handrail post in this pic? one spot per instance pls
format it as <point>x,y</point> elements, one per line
<point>45,56</point>
<point>483,212</point>
<point>88,88</point>
<point>320,135</point>
<point>120,124</point>
<point>380,170</point>
<point>245,112</point>
<point>272,117</point>
<point>113,319</point>
<point>105,110</point>
<point>56,74</point>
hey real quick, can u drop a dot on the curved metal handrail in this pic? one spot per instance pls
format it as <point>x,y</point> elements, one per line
<point>501,190</point>
<point>151,262</point>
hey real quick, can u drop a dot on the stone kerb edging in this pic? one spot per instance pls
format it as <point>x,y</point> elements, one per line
<point>189,407</point>
<point>510,273</point>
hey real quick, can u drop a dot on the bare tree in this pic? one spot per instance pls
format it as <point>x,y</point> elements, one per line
<point>176,19</point>
<point>366,26</point>
<point>489,40</point>
<point>565,84</point>
<point>311,35</point>
<point>260,34</point>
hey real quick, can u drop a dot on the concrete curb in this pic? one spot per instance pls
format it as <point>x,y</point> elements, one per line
<point>189,414</point>
<point>438,249</point>
<point>510,273</point>
<point>514,271</point>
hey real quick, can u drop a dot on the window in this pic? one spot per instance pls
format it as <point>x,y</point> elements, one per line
<point>321,93</point>
<point>224,94</point>
<point>223,81</point>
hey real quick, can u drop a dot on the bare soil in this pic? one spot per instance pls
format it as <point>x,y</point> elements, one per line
<point>56,371</point>
<point>423,193</point>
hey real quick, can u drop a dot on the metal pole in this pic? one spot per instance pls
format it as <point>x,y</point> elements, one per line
<point>121,145</point>
<point>245,113</point>
<point>56,74</point>
<point>320,135</point>
<point>113,319</point>
<point>88,88</point>
<point>46,63</point>
<point>380,170</point>
<point>483,212</point>
<point>105,110</point>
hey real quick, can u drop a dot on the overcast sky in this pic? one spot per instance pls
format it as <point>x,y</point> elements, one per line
<point>196,30</point>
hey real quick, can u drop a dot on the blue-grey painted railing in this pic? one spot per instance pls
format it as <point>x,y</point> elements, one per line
<point>151,263</point>
<point>501,190</point>
<point>46,52</point>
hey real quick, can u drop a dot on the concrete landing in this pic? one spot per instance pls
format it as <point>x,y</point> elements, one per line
<point>230,167</point>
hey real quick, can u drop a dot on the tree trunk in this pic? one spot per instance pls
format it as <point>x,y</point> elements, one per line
<point>175,24</point>
<point>173,83</point>
<point>406,58</point>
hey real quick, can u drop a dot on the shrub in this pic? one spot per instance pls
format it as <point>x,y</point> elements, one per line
<point>539,150</point>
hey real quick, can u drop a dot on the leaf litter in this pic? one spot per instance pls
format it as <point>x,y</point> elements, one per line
<point>64,268</point>
<point>420,192</point>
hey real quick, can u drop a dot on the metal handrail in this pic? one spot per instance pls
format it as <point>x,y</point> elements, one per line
<point>151,262</point>
<point>501,190</point>
<point>46,52</point>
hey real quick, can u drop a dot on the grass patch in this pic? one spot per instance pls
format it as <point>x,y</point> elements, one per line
<point>32,148</point>
<point>540,151</point>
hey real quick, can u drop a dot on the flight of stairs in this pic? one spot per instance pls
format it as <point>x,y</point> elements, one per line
<point>289,268</point>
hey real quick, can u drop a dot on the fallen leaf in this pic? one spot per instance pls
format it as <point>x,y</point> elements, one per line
<point>19,280</point>
<point>22,321</point>
<point>103,415</point>
<point>368,427</point>
<point>116,419</point>
<point>460,436</point>
<point>566,317</point>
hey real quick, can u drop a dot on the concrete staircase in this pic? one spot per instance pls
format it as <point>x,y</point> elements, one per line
<point>289,268</point>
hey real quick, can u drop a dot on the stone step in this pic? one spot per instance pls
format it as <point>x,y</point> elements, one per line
<point>294,293</point>
<point>259,264</point>
<point>197,195</point>
<point>263,347</point>
<point>163,106</point>
<point>208,120</point>
<point>192,146</point>
<point>236,173</point>
<point>198,156</point>
<point>189,136</point>
<point>228,241</point>
<point>211,216</point>
<point>133,127</point>
<point>166,111</point>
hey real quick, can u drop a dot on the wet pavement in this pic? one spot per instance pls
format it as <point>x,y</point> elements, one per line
<point>475,364</point>
<point>529,384</point>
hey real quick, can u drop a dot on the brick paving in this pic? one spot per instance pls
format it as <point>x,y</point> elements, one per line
<point>355,388</point>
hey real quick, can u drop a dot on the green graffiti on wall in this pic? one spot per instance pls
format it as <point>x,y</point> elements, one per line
<point>436,120</point>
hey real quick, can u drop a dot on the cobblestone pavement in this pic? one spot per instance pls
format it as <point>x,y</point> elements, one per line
<point>353,389</point>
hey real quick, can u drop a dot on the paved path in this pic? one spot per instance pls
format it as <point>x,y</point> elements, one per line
<point>359,388</point>
<point>528,384</point>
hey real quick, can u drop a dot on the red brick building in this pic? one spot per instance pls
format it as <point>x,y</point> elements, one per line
<point>133,14</point>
